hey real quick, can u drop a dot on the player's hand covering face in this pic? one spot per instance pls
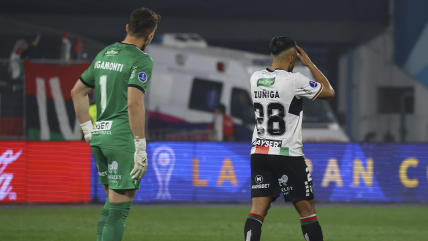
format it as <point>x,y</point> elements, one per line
<point>140,159</point>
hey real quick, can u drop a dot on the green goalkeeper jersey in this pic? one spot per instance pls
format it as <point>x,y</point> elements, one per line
<point>113,70</point>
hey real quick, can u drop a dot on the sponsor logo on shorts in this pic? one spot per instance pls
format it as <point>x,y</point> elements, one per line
<point>283,180</point>
<point>267,142</point>
<point>260,186</point>
<point>102,127</point>
<point>309,188</point>
<point>114,177</point>
<point>259,181</point>
<point>112,168</point>
<point>102,174</point>
<point>309,185</point>
<point>283,184</point>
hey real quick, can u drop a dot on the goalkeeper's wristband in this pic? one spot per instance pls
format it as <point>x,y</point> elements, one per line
<point>140,144</point>
<point>87,126</point>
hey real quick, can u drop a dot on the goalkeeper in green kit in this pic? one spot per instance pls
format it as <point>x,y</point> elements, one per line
<point>119,74</point>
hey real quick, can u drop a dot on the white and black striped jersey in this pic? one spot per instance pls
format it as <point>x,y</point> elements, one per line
<point>277,98</point>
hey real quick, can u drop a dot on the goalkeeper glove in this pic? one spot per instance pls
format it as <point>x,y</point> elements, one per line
<point>140,159</point>
<point>87,131</point>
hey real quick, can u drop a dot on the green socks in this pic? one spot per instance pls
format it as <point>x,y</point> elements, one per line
<point>102,219</point>
<point>115,223</point>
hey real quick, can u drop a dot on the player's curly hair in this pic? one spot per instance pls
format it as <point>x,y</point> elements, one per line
<point>280,44</point>
<point>142,22</point>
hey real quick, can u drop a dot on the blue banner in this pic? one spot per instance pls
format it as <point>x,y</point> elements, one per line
<point>220,172</point>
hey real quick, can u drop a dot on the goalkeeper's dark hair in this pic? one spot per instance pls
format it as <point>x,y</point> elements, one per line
<point>281,44</point>
<point>142,22</point>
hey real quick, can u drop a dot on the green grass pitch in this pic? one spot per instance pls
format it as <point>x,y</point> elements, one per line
<point>202,223</point>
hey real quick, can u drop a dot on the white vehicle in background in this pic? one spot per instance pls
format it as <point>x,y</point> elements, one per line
<point>190,78</point>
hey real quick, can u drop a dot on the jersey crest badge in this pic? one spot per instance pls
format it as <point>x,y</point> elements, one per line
<point>142,77</point>
<point>313,84</point>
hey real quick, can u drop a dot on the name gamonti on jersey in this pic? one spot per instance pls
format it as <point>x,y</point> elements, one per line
<point>108,66</point>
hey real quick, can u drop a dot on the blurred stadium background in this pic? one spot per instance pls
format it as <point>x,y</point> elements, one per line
<point>367,148</point>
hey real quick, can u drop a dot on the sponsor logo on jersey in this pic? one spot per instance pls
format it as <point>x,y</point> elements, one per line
<point>266,82</point>
<point>313,84</point>
<point>102,127</point>
<point>112,52</point>
<point>268,143</point>
<point>266,94</point>
<point>142,77</point>
<point>108,66</point>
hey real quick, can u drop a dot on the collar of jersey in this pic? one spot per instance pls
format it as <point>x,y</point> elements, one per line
<point>132,45</point>
<point>273,70</point>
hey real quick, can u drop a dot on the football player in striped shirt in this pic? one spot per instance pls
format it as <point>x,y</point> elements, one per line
<point>277,161</point>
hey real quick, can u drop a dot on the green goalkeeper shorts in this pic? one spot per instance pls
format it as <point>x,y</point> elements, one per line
<point>114,168</point>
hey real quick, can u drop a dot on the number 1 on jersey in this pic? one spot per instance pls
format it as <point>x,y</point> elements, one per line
<point>103,84</point>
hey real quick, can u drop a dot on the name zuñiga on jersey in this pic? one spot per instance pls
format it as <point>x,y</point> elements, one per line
<point>277,97</point>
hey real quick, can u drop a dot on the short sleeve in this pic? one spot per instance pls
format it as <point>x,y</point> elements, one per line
<point>141,73</point>
<point>304,87</point>
<point>88,77</point>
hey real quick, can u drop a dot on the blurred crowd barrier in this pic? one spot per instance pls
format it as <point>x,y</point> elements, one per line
<point>54,172</point>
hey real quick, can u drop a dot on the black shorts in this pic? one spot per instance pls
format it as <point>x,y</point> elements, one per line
<point>272,174</point>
